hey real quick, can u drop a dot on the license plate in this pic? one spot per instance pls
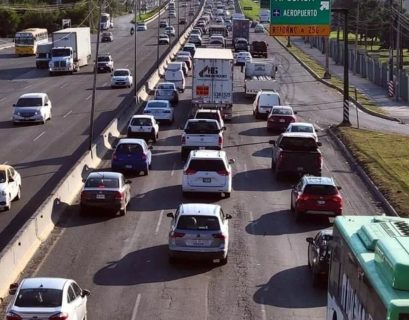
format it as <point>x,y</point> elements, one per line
<point>207,180</point>
<point>282,120</point>
<point>100,196</point>
<point>197,243</point>
<point>321,202</point>
<point>128,166</point>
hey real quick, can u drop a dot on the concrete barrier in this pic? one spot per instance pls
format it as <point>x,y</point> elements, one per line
<point>15,257</point>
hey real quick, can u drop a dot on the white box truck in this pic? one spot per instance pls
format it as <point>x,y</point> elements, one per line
<point>213,80</point>
<point>259,76</point>
<point>71,50</point>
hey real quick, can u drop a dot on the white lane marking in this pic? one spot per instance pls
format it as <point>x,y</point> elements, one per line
<point>63,85</point>
<point>89,97</point>
<point>105,84</point>
<point>252,222</point>
<point>38,137</point>
<point>2,99</point>
<point>67,114</point>
<point>173,170</point>
<point>27,86</point>
<point>135,308</point>
<point>159,221</point>
<point>263,308</point>
<point>245,170</point>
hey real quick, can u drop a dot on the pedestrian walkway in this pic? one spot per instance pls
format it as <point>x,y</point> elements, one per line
<point>396,109</point>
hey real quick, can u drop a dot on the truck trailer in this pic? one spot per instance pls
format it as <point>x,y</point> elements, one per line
<point>71,50</point>
<point>259,76</point>
<point>213,80</point>
<point>241,29</point>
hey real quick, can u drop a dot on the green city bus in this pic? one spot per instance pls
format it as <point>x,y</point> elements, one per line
<point>369,270</point>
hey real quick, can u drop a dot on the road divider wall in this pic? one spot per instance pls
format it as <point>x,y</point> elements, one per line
<point>18,253</point>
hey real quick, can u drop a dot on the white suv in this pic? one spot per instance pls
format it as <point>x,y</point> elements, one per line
<point>32,107</point>
<point>207,171</point>
<point>10,186</point>
<point>210,114</point>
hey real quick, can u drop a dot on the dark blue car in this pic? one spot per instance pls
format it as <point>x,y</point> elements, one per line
<point>132,155</point>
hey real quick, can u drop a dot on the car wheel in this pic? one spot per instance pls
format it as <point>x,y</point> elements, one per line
<point>291,207</point>
<point>18,196</point>
<point>315,280</point>
<point>309,264</point>
<point>146,171</point>
<point>273,164</point>
<point>150,166</point>
<point>44,120</point>
<point>122,212</point>
<point>8,205</point>
<point>256,115</point>
<point>226,195</point>
<point>224,260</point>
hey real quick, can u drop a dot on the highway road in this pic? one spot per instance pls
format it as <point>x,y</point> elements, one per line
<point>123,260</point>
<point>44,153</point>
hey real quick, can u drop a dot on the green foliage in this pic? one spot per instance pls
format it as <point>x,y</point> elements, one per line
<point>9,21</point>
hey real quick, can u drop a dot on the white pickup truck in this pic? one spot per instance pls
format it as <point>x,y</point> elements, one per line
<point>259,76</point>
<point>201,134</point>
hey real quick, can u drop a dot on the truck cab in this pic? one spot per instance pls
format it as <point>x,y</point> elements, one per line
<point>62,60</point>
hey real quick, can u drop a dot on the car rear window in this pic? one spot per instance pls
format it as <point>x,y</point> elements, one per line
<point>157,104</point>
<point>39,298</point>
<point>129,148</point>
<point>29,102</point>
<point>207,165</point>
<point>293,143</point>
<point>103,58</point>
<point>2,176</point>
<point>164,92</point>
<point>141,122</point>
<point>281,111</point>
<point>207,115</point>
<point>297,128</point>
<point>320,189</point>
<point>100,182</point>
<point>198,223</point>
<point>202,127</point>
<point>169,86</point>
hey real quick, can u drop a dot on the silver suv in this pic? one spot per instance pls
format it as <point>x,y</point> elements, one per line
<point>105,63</point>
<point>199,230</point>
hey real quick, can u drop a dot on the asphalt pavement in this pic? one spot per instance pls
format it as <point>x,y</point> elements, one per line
<point>377,94</point>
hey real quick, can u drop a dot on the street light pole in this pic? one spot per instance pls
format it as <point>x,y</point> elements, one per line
<point>178,17</point>
<point>157,41</point>
<point>134,66</point>
<point>345,118</point>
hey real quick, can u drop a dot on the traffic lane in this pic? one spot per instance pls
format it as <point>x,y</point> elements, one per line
<point>267,253</point>
<point>43,158</point>
<point>302,90</point>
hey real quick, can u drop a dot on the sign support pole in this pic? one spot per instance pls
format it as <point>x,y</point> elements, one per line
<point>345,118</point>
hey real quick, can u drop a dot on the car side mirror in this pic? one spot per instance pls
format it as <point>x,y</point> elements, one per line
<point>224,128</point>
<point>232,161</point>
<point>170,215</point>
<point>273,142</point>
<point>128,181</point>
<point>85,292</point>
<point>150,147</point>
<point>228,216</point>
<point>14,104</point>
<point>309,240</point>
<point>295,112</point>
<point>319,144</point>
<point>339,187</point>
<point>13,288</point>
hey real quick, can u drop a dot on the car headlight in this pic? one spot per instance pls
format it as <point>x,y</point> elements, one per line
<point>37,113</point>
<point>17,113</point>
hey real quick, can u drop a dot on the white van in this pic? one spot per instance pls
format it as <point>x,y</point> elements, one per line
<point>264,15</point>
<point>177,77</point>
<point>264,102</point>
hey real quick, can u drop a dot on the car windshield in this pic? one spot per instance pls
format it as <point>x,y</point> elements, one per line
<point>39,298</point>
<point>107,34</point>
<point>164,92</point>
<point>103,58</point>
<point>129,148</point>
<point>202,127</point>
<point>29,102</point>
<point>141,122</point>
<point>207,165</point>
<point>2,176</point>
<point>281,111</point>
<point>198,223</point>
<point>207,115</point>
<point>121,73</point>
<point>157,104</point>
<point>295,143</point>
<point>102,182</point>
<point>320,189</point>
<point>300,128</point>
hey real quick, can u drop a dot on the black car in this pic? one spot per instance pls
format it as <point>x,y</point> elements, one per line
<point>319,254</point>
<point>107,37</point>
<point>163,24</point>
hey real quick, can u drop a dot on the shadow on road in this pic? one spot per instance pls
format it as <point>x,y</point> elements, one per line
<point>263,180</point>
<point>286,282</point>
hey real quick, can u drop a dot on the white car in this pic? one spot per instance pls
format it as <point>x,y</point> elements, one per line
<point>207,171</point>
<point>143,126</point>
<point>121,78</point>
<point>199,230</point>
<point>161,110</point>
<point>172,14</point>
<point>302,127</point>
<point>170,31</point>
<point>141,26</point>
<point>163,39</point>
<point>243,57</point>
<point>32,107</point>
<point>47,298</point>
<point>10,186</point>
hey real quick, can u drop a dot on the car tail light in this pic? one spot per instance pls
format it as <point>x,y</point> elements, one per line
<point>175,234</point>
<point>119,195</point>
<point>183,140</point>
<point>319,161</point>
<point>336,198</point>
<point>189,172</point>
<point>220,140</point>
<point>304,197</point>
<point>84,195</point>
<point>12,316</point>
<point>219,236</point>
<point>223,172</point>
<point>59,316</point>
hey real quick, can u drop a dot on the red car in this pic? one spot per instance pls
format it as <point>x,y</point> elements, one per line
<point>316,196</point>
<point>280,117</point>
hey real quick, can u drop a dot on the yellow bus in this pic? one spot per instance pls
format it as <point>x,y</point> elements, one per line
<point>26,41</point>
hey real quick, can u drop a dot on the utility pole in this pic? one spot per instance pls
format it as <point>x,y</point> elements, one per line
<point>345,118</point>
<point>398,53</point>
<point>90,15</point>
<point>356,39</point>
<point>391,43</point>
<point>94,86</point>
<point>134,66</point>
<point>157,41</point>
<point>327,74</point>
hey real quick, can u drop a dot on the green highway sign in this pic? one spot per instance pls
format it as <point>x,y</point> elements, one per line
<point>300,12</point>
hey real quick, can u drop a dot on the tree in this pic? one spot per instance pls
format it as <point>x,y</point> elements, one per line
<point>9,22</point>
